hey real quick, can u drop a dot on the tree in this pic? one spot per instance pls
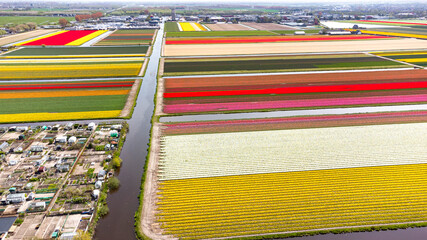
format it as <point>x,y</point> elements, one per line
<point>117,162</point>
<point>81,235</point>
<point>63,22</point>
<point>103,210</point>
<point>113,183</point>
<point>32,25</point>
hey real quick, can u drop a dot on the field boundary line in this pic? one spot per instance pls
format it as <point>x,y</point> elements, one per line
<point>320,229</point>
<point>142,70</point>
<point>395,60</point>
<point>252,28</point>
<point>288,73</point>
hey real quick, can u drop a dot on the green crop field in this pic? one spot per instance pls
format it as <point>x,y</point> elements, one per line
<point>303,63</point>
<point>220,34</point>
<point>63,104</point>
<point>58,51</point>
<point>171,27</point>
<point>15,20</point>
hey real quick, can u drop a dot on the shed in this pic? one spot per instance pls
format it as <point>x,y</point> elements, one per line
<point>114,133</point>
<point>95,193</point>
<point>63,168</point>
<point>98,184</point>
<point>117,127</point>
<point>299,33</point>
<point>72,140</point>
<point>36,148</point>
<point>107,147</point>
<point>41,169</point>
<point>61,139</point>
<point>69,126</point>
<point>39,206</point>
<point>91,126</point>
<point>4,146</point>
<point>21,128</point>
<point>16,198</point>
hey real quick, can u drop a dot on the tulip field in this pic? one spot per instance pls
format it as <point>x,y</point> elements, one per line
<point>262,204</point>
<point>70,68</point>
<point>285,63</point>
<point>23,102</point>
<point>216,40</point>
<point>64,38</point>
<point>415,57</point>
<point>128,37</point>
<point>191,26</point>
<point>76,52</point>
<point>293,91</point>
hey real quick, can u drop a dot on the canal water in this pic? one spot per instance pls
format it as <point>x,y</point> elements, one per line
<point>123,203</point>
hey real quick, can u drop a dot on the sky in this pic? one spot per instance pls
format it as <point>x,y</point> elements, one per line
<point>234,1</point>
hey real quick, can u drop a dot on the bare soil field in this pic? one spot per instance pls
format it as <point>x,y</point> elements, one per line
<point>23,36</point>
<point>268,26</point>
<point>227,27</point>
<point>293,47</point>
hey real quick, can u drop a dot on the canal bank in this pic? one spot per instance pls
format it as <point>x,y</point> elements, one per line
<point>123,203</point>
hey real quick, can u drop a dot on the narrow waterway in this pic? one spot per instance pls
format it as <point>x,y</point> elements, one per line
<point>119,223</point>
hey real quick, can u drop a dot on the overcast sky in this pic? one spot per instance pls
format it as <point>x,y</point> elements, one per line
<point>233,1</point>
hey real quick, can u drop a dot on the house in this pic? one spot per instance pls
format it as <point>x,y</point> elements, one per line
<point>15,198</point>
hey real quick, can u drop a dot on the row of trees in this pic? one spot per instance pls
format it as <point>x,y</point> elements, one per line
<point>82,17</point>
<point>23,27</point>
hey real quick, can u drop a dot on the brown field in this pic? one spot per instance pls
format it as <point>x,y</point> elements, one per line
<point>293,47</point>
<point>268,26</point>
<point>227,27</point>
<point>23,36</point>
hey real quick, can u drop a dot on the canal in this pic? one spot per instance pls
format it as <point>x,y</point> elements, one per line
<point>123,203</point>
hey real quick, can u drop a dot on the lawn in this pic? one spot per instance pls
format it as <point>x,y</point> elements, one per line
<point>35,19</point>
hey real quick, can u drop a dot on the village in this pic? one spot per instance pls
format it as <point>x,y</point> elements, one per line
<point>53,177</point>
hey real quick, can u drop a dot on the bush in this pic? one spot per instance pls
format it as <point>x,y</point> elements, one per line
<point>99,148</point>
<point>117,162</point>
<point>19,221</point>
<point>103,210</point>
<point>113,183</point>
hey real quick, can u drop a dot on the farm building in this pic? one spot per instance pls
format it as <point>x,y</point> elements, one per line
<point>16,198</point>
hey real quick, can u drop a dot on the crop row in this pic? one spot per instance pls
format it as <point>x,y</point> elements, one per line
<point>61,38</point>
<point>219,154</point>
<point>294,201</point>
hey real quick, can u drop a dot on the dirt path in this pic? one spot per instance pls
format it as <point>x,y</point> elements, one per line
<point>144,66</point>
<point>159,97</point>
<point>148,225</point>
<point>131,99</point>
<point>161,66</point>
